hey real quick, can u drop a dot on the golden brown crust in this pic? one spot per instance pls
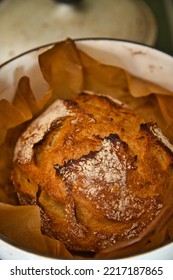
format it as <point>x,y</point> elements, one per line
<point>99,174</point>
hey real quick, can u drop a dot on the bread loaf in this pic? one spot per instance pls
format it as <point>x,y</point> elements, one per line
<point>97,170</point>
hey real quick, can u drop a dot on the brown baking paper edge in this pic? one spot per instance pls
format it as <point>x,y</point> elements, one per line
<point>25,219</point>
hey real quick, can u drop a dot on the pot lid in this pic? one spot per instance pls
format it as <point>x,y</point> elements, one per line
<point>28,24</point>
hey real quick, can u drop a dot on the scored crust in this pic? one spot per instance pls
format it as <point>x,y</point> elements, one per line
<point>97,170</point>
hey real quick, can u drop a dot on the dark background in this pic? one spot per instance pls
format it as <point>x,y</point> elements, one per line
<point>165,31</point>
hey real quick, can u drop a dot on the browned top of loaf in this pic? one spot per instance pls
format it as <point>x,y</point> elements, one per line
<point>98,167</point>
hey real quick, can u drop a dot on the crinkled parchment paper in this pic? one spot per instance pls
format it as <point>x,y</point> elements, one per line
<point>62,63</point>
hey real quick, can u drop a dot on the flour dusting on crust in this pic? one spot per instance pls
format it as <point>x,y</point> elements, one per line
<point>101,177</point>
<point>102,166</point>
<point>39,127</point>
<point>158,133</point>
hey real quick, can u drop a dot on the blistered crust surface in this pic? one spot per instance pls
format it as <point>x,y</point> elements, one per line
<point>97,170</point>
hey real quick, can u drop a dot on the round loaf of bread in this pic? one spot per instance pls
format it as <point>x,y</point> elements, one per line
<point>97,170</point>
